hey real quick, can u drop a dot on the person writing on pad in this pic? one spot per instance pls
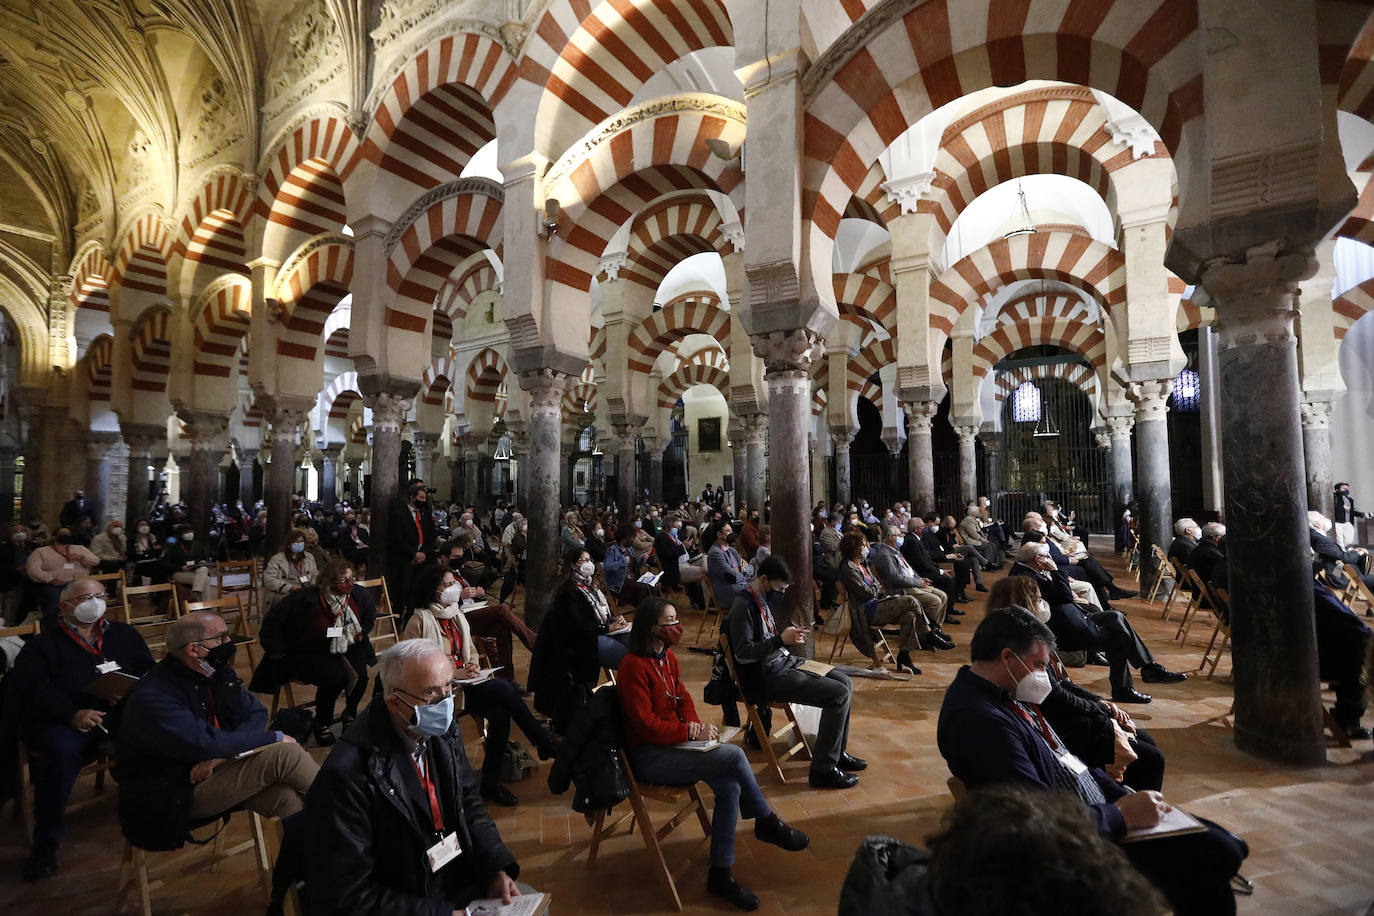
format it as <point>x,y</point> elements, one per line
<point>659,716</point>
<point>768,673</point>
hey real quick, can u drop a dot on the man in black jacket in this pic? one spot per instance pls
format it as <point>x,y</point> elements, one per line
<point>1208,558</point>
<point>395,822</point>
<point>917,552</point>
<point>1331,556</point>
<point>411,540</point>
<point>63,724</point>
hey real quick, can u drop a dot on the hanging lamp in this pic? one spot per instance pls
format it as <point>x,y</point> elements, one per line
<point>1045,428</point>
<point>1025,226</point>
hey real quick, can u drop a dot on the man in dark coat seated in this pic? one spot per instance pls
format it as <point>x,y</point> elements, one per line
<point>1331,556</point>
<point>1342,641</point>
<point>64,725</point>
<point>991,732</point>
<point>394,823</point>
<point>1187,535</point>
<point>1208,558</point>
<point>1099,631</point>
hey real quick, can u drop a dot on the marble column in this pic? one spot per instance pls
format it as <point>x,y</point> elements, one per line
<point>97,485</point>
<point>968,466</point>
<point>565,479</point>
<point>355,481</point>
<point>739,457</point>
<point>920,415</point>
<point>1123,486</point>
<point>756,445</point>
<point>425,446</point>
<point>389,412</point>
<point>840,441</point>
<point>329,475</point>
<point>1213,494</point>
<point>656,476</point>
<point>472,477</point>
<point>141,438</point>
<point>626,467</point>
<point>286,417</point>
<point>522,468</point>
<point>201,468</point>
<point>7,468</point>
<point>33,418</point>
<point>992,456</point>
<point>247,460</point>
<point>1316,449</point>
<point>546,465</point>
<point>788,357</point>
<point>1153,489</point>
<point>1277,688</point>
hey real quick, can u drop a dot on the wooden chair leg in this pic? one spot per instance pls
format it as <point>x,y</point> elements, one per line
<point>596,838</point>
<point>695,795</point>
<point>646,830</point>
<point>766,740</point>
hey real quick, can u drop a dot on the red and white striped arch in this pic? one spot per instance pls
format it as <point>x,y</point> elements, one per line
<point>874,355</point>
<point>870,201</point>
<point>1045,305</point>
<point>249,410</point>
<point>434,244</point>
<point>302,192</point>
<point>1078,375</point>
<point>667,233</point>
<point>438,110</point>
<point>1065,256</point>
<point>596,345</point>
<point>91,280</point>
<point>142,261</point>
<point>1359,225</point>
<point>579,399</point>
<point>485,374</point>
<point>225,191</point>
<point>1351,306</point>
<point>1191,317</point>
<point>100,368</point>
<point>437,382</point>
<point>1084,339</point>
<point>307,293</point>
<point>457,294</point>
<point>866,301</point>
<point>339,395</point>
<point>709,366</point>
<point>672,323</point>
<point>1356,75</point>
<point>221,324</point>
<point>357,430</point>
<point>592,60</point>
<point>872,391</point>
<point>152,351</point>
<point>860,99</point>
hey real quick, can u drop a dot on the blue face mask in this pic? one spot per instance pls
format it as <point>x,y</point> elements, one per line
<point>434,720</point>
<point>900,542</point>
<point>298,547</point>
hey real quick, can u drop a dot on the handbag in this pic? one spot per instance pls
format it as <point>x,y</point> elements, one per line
<point>516,763</point>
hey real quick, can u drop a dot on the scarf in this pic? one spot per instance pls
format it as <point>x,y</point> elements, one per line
<point>341,606</point>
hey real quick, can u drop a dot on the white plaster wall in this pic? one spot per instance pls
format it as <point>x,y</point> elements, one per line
<point>705,401</point>
<point>1352,424</point>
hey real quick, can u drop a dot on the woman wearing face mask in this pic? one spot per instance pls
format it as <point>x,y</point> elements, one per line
<point>574,643</point>
<point>291,568</point>
<point>111,547</point>
<point>622,567</point>
<point>659,714</point>
<point>319,634</point>
<point>441,621</point>
<point>187,562</point>
<point>869,607</point>
<point>56,566</point>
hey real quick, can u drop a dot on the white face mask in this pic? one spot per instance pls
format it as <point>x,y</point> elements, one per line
<point>451,595</point>
<point>601,532</point>
<point>90,610</point>
<point>143,529</point>
<point>1034,687</point>
<point>863,552</point>
<point>117,532</point>
<point>1041,611</point>
<point>586,569</point>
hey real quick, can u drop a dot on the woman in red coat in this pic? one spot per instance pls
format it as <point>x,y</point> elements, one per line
<point>658,716</point>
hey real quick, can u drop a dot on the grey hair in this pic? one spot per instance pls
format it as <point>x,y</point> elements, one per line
<point>892,531</point>
<point>1184,525</point>
<point>1317,520</point>
<point>1027,552</point>
<point>391,662</point>
<point>1213,530</point>
<point>189,629</point>
<point>76,586</point>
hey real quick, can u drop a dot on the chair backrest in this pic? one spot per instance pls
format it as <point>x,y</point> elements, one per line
<point>24,629</point>
<point>235,568</point>
<point>1160,555</point>
<point>153,627</point>
<point>957,788</point>
<point>115,584</point>
<point>384,608</point>
<point>230,607</point>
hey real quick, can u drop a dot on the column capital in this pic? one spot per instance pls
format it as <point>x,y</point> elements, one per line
<point>546,390</point>
<point>1120,426</point>
<point>1259,291</point>
<point>1102,436</point>
<point>920,415</point>
<point>968,434</point>
<point>389,411</point>
<point>1316,414</point>
<point>204,428</point>
<point>142,437</point>
<point>98,444</point>
<point>425,439</point>
<point>333,452</point>
<point>788,351</point>
<point>1151,399</point>
<point>841,439</point>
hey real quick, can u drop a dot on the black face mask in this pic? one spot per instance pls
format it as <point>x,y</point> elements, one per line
<point>64,539</point>
<point>221,656</point>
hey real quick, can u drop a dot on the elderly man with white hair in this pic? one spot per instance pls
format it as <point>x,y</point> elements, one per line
<point>395,821</point>
<point>1187,533</point>
<point>1208,558</point>
<point>1331,556</point>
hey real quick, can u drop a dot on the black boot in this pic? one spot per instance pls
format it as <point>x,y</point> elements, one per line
<point>41,863</point>
<point>904,663</point>
<point>323,736</point>
<point>720,882</point>
<point>771,829</point>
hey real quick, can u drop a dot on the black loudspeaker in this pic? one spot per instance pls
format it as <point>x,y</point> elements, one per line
<point>727,482</point>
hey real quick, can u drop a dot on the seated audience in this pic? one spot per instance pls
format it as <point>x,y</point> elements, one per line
<point>320,635</point>
<point>110,546</point>
<point>622,568</point>
<point>729,573</point>
<point>946,535</point>
<point>439,618</point>
<point>290,569</point>
<point>765,548</point>
<point>53,567</point>
<point>1331,556</point>
<point>574,643</point>
<point>312,546</point>
<point>570,536</point>
<point>971,530</point>
<point>1073,558</point>
<point>991,732</point>
<point>659,714</point>
<point>673,559</point>
<point>1342,645</point>
<point>913,549</point>
<point>768,673</point>
<point>486,620</point>
<point>1098,631</point>
<point>352,540</point>
<point>398,784</point>
<point>898,578</point>
<point>870,607</point>
<point>186,561</point>
<point>1186,537</point>
<point>512,557</point>
<point>63,722</point>
<point>1208,558</point>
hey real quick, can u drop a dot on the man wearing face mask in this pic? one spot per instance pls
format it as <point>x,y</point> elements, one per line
<point>1344,514</point>
<point>411,541</point>
<point>991,732</point>
<point>1187,533</point>
<point>62,724</point>
<point>181,751</point>
<point>395,823</point>
<point>187,561</point>
<point>54,567</point>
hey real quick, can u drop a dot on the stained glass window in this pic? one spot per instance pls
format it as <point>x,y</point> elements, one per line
<point>1187,391</point>
<point>1025,403</point>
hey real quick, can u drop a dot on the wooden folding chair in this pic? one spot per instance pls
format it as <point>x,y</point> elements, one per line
<point>1195,603</point>
<point>386,626</point>
<point>28,757</point>
<point>1221,610</point>
<point>714,612</point>
<point>1133,556</point>
<point>139,868</point>
<point>241,577</point>
<point>790,730</point>
<point>152,626</point>
<point>1356,590</point>
<point>1164,563</point>
<point>235,614</point>
<point>956,788</point>
<point>32,628</point>
<point>653,837</point>
<point>114,584</point>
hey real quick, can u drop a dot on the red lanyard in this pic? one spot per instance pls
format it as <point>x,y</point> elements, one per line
<point>434,810</point>
<point>660,667</point>
<point>764,612</point>
<point>1039,721</point>
<point>901,559</point>
<point>95,650</point>
<point>868,578</point>
<point>210,702</point>
<point>455,638</point>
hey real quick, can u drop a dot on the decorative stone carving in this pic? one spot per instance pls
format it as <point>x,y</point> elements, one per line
<point>545,387</point>
<point>308,55</point>
<point>1264,287</point>
<point>908,192</point>
<point>1269,178</point>
<point>612,264</point>
<point>389,412</point>
<point>1151,399</point>
<point>734,234</point>
<point>967,434</point>
<point>1317,414</point>
<point>1102,436</point>
<point>1135,132</point>
<point>920,416</point>
<point>775,282</point>
<point>789,351</point>
<point>1120,427</point>
<point>443,192</point>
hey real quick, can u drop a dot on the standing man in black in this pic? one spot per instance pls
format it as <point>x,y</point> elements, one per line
<point>413,541</point>
<point>1344,514</point>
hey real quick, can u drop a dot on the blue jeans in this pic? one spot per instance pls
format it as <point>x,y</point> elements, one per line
<point>725,769</point>
<point>62,752</point>
<point>611,649</point>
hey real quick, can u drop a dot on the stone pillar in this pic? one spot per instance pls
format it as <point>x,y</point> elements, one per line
<point>522,469</point>
<point>425,445</point>
<point>545,466</point>
<point>1123,486</point>
<point>992,457</point>
<point>840,441</point>
<point>920,415</point>
<point>200,468</point>
<point>329,475</point>
<point>739,457</point>
<point>33,418</point>
<point>355,479</point>
<point>97,486</point>
<point>626,467</point>
<point>141,439</point>
<point>565,478</point>
<point>472,466</point>
<point>7,467</point>
<point>389,412</point>
<point>968,465</point>
<point>247,460</point>
<point>1316,449</point>
<point>656,476</point>
<point>788,357</point>
<point>286,417</point>
<point>1213,494</point>
<point>1278,691</point>
<point>756,460</point>
<point>1153,490</point>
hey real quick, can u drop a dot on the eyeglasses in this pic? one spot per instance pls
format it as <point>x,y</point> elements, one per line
<point>346,580</point>
<point>432,695</point>
<point>80,598</point>
<point>218,640</point>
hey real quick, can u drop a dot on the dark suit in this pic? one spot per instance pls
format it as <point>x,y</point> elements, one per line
<point>1332,557</point>
<point>915,552</point>
<point>1342,639</point>
<point>1208,560</point>
<point>1182,548</point>
<point>404,540</point>
<point>1086,569</point>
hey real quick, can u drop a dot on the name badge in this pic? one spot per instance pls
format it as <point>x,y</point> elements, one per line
<point>443,852</point>
<point>1073,764</point>
<point>69,566</point>
<point>305,580</point>
<point>334,632</point>
<point>107,667</point>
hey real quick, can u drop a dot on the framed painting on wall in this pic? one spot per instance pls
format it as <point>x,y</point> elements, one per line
<point>708,434</point>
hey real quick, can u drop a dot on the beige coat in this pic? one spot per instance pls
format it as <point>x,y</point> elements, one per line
<point>424,625</point>
<point>49,567</point>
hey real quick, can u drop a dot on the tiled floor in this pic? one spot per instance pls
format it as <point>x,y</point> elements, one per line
<point>1311,832</point>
